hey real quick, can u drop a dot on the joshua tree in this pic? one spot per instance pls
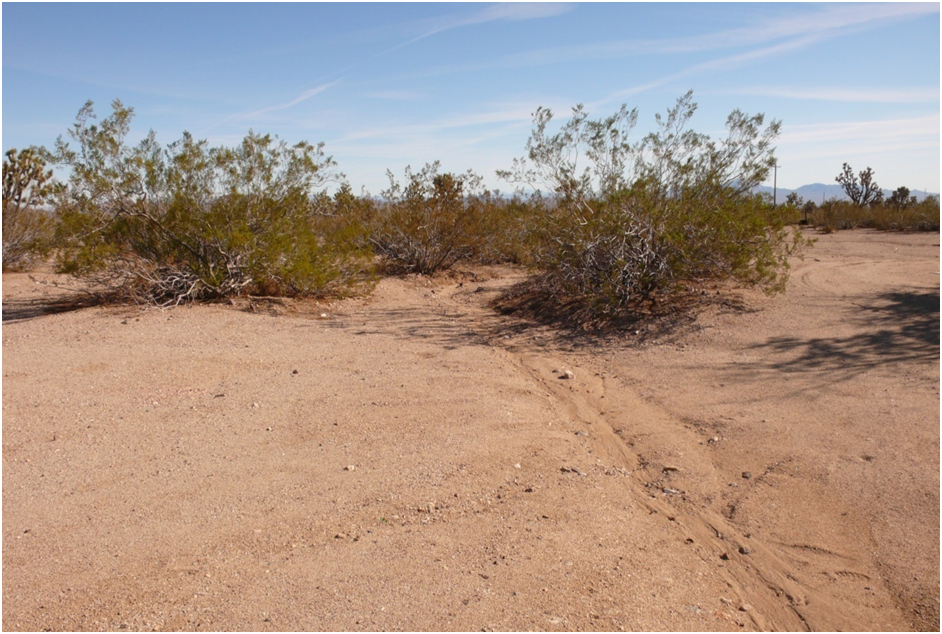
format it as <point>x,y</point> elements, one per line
<point>862,192</point>
<point>27,186</point>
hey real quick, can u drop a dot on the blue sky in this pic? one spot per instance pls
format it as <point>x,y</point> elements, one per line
<point>389,85</point>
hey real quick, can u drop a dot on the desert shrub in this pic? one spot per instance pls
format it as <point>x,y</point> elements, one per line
<point>27,225</point>
<point>912,216</point>
<point>807,211</point>
<point>191,222</point>
<point>432,221</point>
<point>508,228</point>
<point>891,215</point>
<point>832,215</point>
<point>651,216</point>
<point>357,213</point>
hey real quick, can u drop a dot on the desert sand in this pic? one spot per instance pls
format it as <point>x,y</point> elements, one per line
<point>417,460</point>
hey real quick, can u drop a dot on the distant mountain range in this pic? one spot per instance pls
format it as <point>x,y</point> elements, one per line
<point>819,192</point>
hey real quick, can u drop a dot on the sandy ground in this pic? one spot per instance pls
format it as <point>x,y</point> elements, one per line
<point>413,461</point>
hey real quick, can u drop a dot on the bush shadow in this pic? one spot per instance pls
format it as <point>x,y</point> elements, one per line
<point>17,310</point>
<point>522,318</point>
<point>657,317</point>
<point>899,326</point>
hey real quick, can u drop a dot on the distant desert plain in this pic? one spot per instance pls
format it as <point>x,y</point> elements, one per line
<point>419,460</point>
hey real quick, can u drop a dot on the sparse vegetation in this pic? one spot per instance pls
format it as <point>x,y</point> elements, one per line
<point>892,215</point>
<point>612,220</point>
<point>867,208</point>
<point>192,222</point>
<point>27,224</point>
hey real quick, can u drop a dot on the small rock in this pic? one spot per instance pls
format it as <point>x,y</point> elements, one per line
<point>670,491</point>
<point>124,321</point>
<point>670,468</point>
<point>713,440</point>
<point>725,556</point>
<point>340,536</point>
<point>747,475</point>
<point>268,429</point>
<point>517,466</point>
<point>567,374</point>
<point>745,607</point>
<point>255,405</point>
<point>581,433</point>
<point>323,315</point>
<point>350,467</point>
<point>743,550</point>
<point>294,372</point>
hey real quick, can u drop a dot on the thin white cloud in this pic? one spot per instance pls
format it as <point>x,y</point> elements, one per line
<point>510,115</point>
<point>722,63</point>
<point>808,27</point>
<point>845,16</point>
<point>510,12</point>
<point>902,151</point>
<point>868,150</point>
<point>918,95</point>
<point>304,96</point>
<point>871,95</point>
<point>925,128</point>
<point>517,11</point>
<point>394,95</point>
<point>123,85</point>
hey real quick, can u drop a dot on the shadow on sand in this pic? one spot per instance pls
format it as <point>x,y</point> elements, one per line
<point>900,326</point>
<point>522,319</point>
<point>15,310</point>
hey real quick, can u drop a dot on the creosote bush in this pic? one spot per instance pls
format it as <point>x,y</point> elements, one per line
<point>435,220</point>
<point>27,226</point>
<point>651,216</point>
<point>191,222</point>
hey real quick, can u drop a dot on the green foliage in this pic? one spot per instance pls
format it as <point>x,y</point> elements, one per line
<point>434,220</point>
<point>900,199</point>
<point>794,200</point>
<point>190,222</point>
<point>507,228</point>
<point>27,226</point>
<point>639,218</point>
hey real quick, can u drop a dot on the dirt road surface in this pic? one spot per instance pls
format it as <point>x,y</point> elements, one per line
<point>417,461</point>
